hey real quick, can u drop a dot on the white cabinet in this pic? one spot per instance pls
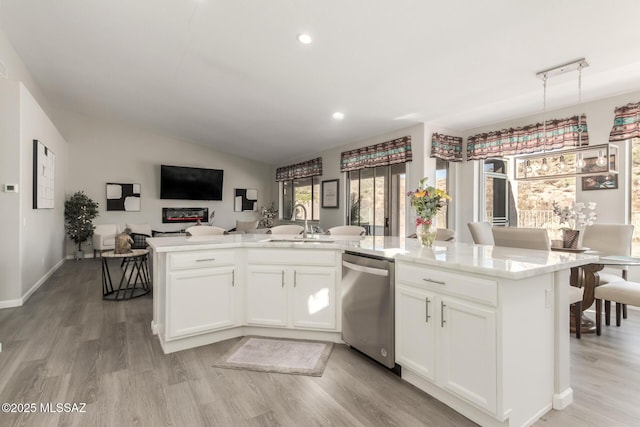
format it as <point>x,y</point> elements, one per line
<point>202,294</point>
<point>314,298</point>
<point>444,338</point>
<point>467,349</point>
<point>294,289</point>
<point>266,296</point>
<point>416,330</point>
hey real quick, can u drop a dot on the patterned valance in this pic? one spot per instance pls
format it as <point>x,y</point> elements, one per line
<point>300,170</point>
<point>383,154</point>
<point>626,123</point>
<point>446,147</point>
<point>528,139</point>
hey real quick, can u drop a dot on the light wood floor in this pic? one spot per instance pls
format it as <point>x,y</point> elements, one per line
<point>68,345</point>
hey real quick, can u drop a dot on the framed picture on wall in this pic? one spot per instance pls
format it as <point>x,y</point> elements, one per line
<point>44,162</point>
<point>600,182</point>
<point>330,192</point>
<point>123,197</point>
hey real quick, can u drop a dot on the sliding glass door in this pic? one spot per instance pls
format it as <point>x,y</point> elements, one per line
<point>377,200</point>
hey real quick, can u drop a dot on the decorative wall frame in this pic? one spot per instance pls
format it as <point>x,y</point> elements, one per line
<point>330,194</point>
<point>245,200</point>
<point>600,182</point>
<point>123,197</point>
<point>44,161</point>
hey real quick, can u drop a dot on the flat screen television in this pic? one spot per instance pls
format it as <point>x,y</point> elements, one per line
<point>185,183</point>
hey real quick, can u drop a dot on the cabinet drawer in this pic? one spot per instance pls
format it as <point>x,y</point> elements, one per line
<point>292,257</point>
<point>468,287</point>
<point>200,259</point>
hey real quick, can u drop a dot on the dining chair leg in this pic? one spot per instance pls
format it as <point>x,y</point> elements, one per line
<point>577,315</point>
<point>598,315</point>
<point>624,311</point>
<point>618,314</point>
<point>607,312</point>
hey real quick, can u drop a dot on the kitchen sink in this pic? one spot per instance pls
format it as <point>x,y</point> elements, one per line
<point>300,240</point>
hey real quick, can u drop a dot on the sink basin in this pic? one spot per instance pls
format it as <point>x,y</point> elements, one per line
<point>300,240</point>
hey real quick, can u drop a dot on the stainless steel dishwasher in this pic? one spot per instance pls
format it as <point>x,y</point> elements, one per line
<point>368,323</point>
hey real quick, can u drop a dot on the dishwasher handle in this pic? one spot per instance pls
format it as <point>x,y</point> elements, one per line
<point>363,269</point>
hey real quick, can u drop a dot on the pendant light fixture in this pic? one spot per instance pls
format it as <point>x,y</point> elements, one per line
<point>566,162</point>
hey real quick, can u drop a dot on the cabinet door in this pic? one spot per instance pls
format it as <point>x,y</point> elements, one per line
<point>416,330</point>
<point>266,296</point>
<point>314,299</point>
<point>468,352</point>
<point>201,300</point>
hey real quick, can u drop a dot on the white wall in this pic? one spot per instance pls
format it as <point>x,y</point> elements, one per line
<point>34,238</point>
<point>102,151</point>
<point>43,232</point>
<point>9,202</point>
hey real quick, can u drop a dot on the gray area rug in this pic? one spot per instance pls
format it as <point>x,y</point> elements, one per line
<point>278,355</point>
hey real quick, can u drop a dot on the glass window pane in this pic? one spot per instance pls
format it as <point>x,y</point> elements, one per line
<point>302,194</point>
<point>635,195</point>
<point>354,198</point>
<point>315,214</point>
<point>287,199</point>
<point>442,183</point>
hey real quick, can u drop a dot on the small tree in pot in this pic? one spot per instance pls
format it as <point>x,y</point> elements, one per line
<point>79,212</point>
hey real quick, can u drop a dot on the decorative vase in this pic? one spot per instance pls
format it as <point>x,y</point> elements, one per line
<point>426,233</point>
<point>570,238</point>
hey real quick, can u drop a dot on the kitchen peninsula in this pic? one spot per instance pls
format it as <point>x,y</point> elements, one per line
<point>483,329</point>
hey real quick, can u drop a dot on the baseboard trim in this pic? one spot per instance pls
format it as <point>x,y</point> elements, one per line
<point>20,301</point>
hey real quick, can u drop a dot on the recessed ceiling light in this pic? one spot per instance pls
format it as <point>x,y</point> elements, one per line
<point>338,115</point>
<point>304,38</point>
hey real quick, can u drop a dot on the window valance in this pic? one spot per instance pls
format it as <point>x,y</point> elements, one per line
<point>383,154</point>
<point>300,170</point>
<point>529,139</point>
<point>626,123</point>
<point>446,147</point>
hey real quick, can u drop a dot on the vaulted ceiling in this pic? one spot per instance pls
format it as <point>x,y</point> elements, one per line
<point>233,76</point>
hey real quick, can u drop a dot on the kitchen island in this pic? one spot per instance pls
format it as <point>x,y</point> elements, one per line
<point>483,329</point>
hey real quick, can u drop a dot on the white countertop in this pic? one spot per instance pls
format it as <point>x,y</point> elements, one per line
<point>511,263</point>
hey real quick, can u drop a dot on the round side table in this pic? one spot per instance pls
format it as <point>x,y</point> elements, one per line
<point>135,279</point>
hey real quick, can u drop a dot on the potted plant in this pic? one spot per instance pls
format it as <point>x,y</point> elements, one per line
<point>79,212</point>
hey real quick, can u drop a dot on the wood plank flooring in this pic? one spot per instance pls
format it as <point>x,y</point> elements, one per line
<point>68,345</point>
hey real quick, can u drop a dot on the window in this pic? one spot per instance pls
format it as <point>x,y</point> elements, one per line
<point>304,191</point>
<point>442,183</point>
<point>524,203</point>
<point>635,195</point>
<point>377,199</point>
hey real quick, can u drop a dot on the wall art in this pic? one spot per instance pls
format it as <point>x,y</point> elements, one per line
<point>44,162</point>
<point>245,200</point>
<point>123,197</point>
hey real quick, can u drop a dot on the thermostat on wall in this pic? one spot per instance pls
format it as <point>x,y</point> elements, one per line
<point>11,188</point>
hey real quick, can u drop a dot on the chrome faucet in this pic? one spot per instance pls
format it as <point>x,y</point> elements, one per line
<point>304,232</point>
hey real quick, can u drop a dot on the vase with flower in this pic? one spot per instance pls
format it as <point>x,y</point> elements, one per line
<point>427,201</point>
<point>577,216</point>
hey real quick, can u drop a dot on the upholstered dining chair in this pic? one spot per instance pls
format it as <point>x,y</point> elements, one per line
<point>205,230</point>
<point>286,229</point>
<point>481,233</point>
<point>621,292</point>
<point>610,239</point>
<point>445,235</point>
<point>575,304</point>
<point>521,237</point>
<point>104,238</point>
<point>347,230</point>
